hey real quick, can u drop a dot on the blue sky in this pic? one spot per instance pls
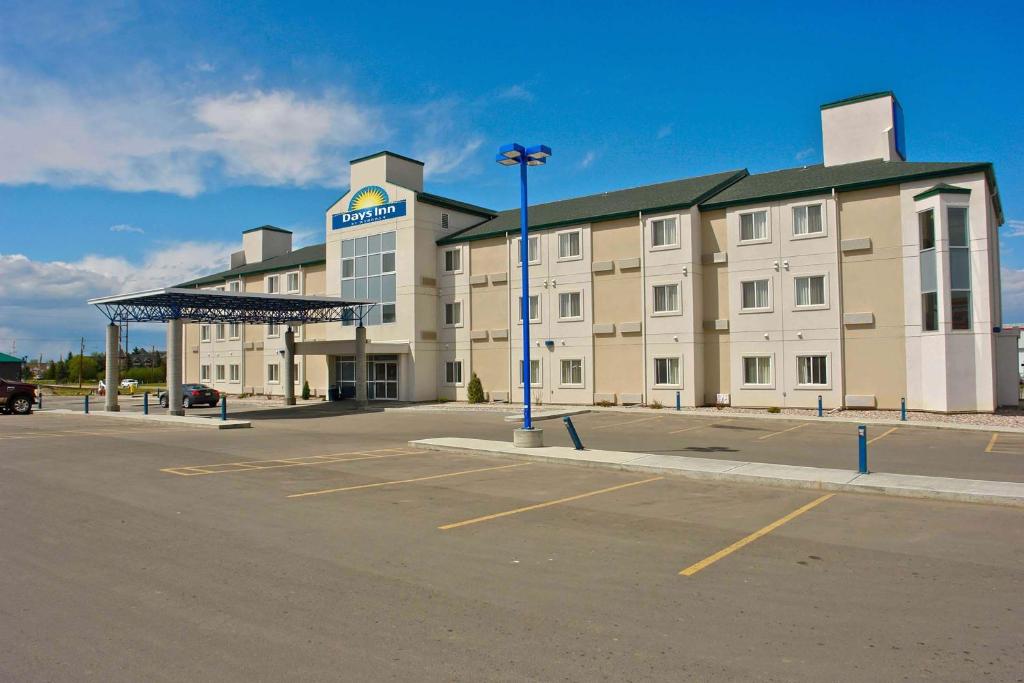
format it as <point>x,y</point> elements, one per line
<point>138,140</point>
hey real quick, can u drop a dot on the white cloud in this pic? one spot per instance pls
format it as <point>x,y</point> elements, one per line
<point>664,131</point>
<point>515,92</point>
<point>588,159</point>
<point>804,154</point>
<point>1015,228</point>
<point>124,227</point>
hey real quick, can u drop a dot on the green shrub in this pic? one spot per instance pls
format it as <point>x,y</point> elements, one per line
<point>475,390</point>
<point>305,390</point>
<point>774,409</point>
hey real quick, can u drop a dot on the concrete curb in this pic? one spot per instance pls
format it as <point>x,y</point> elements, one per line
<point>788,476</point>
<point>185,420</point>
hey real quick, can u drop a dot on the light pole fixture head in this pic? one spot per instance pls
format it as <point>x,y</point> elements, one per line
<point>511,151</point>
<point>538,153</point>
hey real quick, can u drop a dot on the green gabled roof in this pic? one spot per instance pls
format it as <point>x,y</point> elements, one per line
<point>306,256</point>
<point>819,179</point>
<point>941,188</point>
<point>858,98</point>
<point>6,358</point>
<point>454,204</point>
<point>676,194</point>
<point>272,228</point>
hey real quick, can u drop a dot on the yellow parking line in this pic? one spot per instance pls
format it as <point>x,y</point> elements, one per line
<point>768,436</point>
<point>627,422</point>
<point>883,434</point>
<point>269,464</point>
<point>992,442</point>
<point>725,552</point>
<point>407,481</point>
<point>549,503</point>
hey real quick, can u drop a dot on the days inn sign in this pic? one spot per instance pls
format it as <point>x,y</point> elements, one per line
<point>368,205</point>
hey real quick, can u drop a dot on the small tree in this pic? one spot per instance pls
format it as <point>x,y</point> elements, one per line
<point>305,390</point>
<point>475,390</point>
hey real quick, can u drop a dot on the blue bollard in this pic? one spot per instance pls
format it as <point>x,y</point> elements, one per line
<point>86,404</point>
<point>819,405</point>
<point>862,449</point>
<point>679,403</point>
<point>224,407</point>
<point>145,403</point>
<point>903,409</point>
<point>572,433</point>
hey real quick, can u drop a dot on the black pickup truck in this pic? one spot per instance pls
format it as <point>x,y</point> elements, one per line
<point>17,397</point>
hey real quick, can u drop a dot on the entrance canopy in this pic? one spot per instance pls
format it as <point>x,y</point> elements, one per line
<point>205,305</point>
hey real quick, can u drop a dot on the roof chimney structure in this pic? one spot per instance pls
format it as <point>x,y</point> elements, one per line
<point>863,128</point>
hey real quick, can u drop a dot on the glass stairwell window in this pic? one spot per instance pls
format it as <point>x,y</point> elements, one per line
<point>959,267</point>
<point>368,273</point>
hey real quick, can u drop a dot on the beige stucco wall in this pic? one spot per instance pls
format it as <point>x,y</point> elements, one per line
<point>190,359</point>
<point>872,281</point>
<point>489,310</point>
<point>618,298</point>
<point>715,293</point>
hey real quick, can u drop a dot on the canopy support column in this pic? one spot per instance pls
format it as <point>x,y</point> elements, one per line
<point>288,376</point>
<point>174,396</point>
<point>360,366</point>
<point>112,378</point>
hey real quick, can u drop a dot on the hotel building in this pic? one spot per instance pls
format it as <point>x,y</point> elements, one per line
<point>864,280</point>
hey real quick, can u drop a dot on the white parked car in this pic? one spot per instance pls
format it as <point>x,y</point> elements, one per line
<point>129,383</point>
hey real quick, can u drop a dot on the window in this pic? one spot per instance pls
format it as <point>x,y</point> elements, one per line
<point>453,260</point>
<point>754,226</point>
<point>929,311</point>
<point>812,370</point>
<point>295,373</point>
<point>535,378</point>
<point>810,290</point>
<point>572,372</point>
<point>666,298</point>
<point>273,330</point>
<point>453,314</point>
<point>273,287</point>
<point>532,246</point>
<point>234,330</point>
<point>757,370</point>
<point>755,296</point>
<point>292,282</point>
<point>235,286</point>
<point>926,226</point>
<point>368,274</point>
<point>959,267</point>
<point>570,306</point>
<point>453,372</point>
<point>807,220</point>
<point>220,331</point>
<point>235,371</point>
<point>570,245</point>
<point>204,373</point>
<point>534,308</point>
<point>204,333</point>
<point>929,281</point>
<point>666,371</point>
<point>663,233</point>
<point>273,372</point>
<point>220,373</point>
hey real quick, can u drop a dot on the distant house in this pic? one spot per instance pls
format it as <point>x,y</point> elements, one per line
<point>10,367</point>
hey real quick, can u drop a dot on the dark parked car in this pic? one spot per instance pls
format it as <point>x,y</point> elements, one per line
<point>17,397</point>
<point>193,394</point>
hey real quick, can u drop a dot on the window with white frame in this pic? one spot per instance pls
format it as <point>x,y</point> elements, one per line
<point>368,274</point>
<point>453,314</point>
<point>204,333</point>
<point>666,371</point>
<point>292,282</point>
<point>757,371</point>
<point>273,372</point>
<point>755,296</point>
<point>535,379</point>
<point>234,372</point>
<point>664,233</point>
<point>453,260</point>
<point>453,372</point>
<point>929,280</point>
<point>273,284</point>
<point>234,330</point>
<point>533,250</point>
<point>810,291</point>
<point>570,245</point>
<point>570,306</point>
<point>572,372</point>
<point>220,373</point>
<point>807,220</point>
<point>235,286</point>
<point>666,298</point>
<point>273,330</point>
<point>534,308</point>
<point>204,373</point>
<point>754,226</point>
<point>812,371</point>
<point>959,267</point>
<point>220,331</point>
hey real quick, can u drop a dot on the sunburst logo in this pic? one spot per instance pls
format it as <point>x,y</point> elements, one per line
<point>371,195</point>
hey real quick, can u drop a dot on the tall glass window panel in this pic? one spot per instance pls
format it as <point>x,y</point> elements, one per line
<point>959,267</point>
<point>930,311</point>
<point>368,273</point>
<point>926,229</point>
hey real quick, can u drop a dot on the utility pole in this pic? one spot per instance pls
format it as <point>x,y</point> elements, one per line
<point>81,360</point>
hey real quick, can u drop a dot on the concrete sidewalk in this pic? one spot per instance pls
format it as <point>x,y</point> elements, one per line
<point>184,420</point>
<point>909,486</point>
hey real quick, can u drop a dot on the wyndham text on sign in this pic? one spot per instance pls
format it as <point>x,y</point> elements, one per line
<point>370,214</point>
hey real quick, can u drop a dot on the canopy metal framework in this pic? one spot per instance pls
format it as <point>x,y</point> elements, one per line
<point>177,305</point>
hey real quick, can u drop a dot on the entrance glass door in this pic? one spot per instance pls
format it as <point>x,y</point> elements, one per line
<point>382,378</point>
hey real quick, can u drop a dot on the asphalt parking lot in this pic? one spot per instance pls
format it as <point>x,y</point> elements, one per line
<point>319,545</point>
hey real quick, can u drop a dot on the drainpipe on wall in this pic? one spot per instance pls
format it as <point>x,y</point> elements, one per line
<point>643,299</point>
<point>839,302</point>
<point>508,292</point>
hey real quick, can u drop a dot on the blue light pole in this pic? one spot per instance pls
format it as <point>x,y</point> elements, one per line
<point>511,155</point>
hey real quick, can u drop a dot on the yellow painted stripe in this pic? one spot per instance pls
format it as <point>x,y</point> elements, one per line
<point>627,422</point>
<point>768,436</point>
<point>883,434</point>
<point>407,481</point>
<point>277,464</point>
<point>992,442</point>
<point>549,503</point>
<point>725,552</point>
